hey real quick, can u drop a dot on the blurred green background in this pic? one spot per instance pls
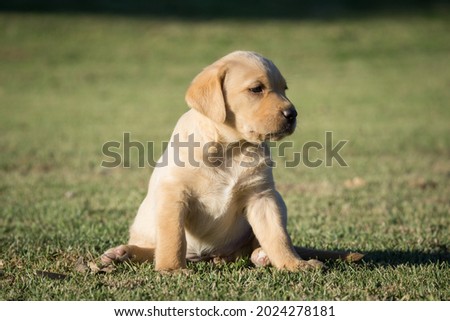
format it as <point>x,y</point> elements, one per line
<point>76,74</point>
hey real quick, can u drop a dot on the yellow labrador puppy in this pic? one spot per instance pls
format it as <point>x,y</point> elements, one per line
<point>215,197</point>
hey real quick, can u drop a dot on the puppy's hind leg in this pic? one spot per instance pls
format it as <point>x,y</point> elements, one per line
<point>132,253</point>
<point>141,244</point>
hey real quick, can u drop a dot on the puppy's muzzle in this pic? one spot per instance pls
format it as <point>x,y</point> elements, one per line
<point>290,114</point>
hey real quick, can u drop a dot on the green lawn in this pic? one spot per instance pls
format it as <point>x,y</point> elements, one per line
<point>69,83</point>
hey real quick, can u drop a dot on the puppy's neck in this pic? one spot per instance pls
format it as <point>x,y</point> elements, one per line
<point>215,132</point>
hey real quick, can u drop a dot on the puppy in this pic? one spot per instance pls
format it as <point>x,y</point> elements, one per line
<point>214,197</point>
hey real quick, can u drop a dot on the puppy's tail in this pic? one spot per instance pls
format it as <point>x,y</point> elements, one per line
<point>323,255</point>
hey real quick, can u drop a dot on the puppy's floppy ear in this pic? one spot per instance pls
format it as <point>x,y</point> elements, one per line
<point>205,93</point>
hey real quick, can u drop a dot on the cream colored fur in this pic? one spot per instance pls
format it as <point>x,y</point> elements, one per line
<point>199,212</point>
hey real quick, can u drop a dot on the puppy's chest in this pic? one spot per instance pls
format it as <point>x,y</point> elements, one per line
<point>229,190</point>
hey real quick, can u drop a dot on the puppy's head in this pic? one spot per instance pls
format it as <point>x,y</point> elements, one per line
<point>247,93</point>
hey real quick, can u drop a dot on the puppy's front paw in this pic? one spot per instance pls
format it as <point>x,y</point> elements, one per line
<point>186,272</point>
<point>170,266</point>
<point>117,254</point>
<point>302,265</point>
<point>316,264</point>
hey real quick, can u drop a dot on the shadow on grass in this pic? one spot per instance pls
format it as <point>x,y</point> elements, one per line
<point>371,259</point>
<point>395,258</point>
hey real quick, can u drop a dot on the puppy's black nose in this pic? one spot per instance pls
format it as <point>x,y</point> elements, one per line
<point>290,113</point>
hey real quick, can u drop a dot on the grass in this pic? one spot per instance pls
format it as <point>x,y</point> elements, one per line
<point>69,83</point>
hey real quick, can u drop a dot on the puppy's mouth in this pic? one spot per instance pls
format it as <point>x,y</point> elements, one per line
<point>287,130</point>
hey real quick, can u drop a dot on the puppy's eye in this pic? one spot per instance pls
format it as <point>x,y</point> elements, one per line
<point>257,90</point>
